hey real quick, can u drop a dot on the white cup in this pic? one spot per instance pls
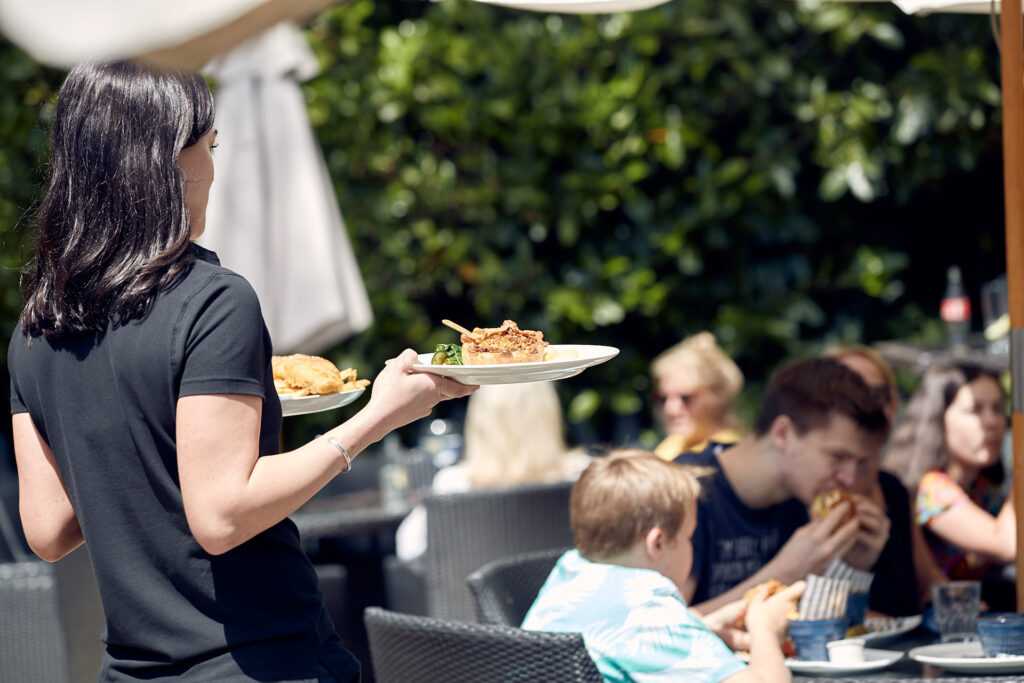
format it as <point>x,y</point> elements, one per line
<point>846,651</point>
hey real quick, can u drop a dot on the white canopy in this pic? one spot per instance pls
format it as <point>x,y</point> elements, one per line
<point>936,6</point>
<point>171,33</point>
<point>273,215</point>
<point>187,33</point>
<point>958,6</point>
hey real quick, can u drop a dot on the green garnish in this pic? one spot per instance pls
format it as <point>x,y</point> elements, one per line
<point>447,354</point>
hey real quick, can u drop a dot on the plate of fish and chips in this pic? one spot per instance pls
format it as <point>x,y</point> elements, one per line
<point>509,355</point>
<point>311,384</point>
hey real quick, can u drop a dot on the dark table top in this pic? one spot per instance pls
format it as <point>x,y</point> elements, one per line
<point>347,514</point>
<point>907,670</point>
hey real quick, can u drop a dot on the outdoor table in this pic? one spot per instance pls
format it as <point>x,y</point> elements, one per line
<point>907,670</point>
<point>348,514</point>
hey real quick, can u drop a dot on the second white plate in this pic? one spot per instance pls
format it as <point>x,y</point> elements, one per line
<point>301,405</point>
<point>884,628</point>
<point>874,660</point>
<point>966,658</point>
<point>571,360</point>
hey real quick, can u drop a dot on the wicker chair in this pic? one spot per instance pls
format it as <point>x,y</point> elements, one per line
<point>32,646</point>
<point>51,619</point>
<point>505,589</point>
<point>411,649</point>
<point>467,530</point>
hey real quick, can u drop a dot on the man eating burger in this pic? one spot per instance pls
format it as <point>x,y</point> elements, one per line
<point>818,423</point>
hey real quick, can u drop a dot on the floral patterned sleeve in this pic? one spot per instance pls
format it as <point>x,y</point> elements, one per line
<point>937,493</point>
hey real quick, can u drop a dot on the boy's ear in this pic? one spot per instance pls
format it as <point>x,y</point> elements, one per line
<point>781,431</point>
<point>654,542</point>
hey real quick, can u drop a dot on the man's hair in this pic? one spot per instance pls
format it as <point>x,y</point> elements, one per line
<point>621,497</point>
<point>809,392</point>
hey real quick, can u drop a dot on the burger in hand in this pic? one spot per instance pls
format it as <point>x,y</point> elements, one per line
<point>770,588</point>
<point>824,503</point>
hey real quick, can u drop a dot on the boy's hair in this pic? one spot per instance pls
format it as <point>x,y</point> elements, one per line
<point>810,391</point>
<point>622,496</point>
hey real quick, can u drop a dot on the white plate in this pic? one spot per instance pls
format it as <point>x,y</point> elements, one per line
<point>575,358</point>
<point>300,405</point>
<point>874,660</point>
<point>577,6</point>
<point>881,629</point>
<point>967,658</point>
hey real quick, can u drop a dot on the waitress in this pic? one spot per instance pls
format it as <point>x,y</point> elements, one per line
<point>146,424</point>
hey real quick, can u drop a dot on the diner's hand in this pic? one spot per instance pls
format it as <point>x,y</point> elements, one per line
<point>400,396</point>
<point>872,535</point>
<point>723,623</point>
<point>772,615</point>
<point>814,545</point>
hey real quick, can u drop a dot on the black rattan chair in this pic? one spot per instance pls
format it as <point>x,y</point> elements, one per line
<point>465,531</point>
<point>32,646</point>
<point>504,590</point>
<point>51,619</point>
<point>411,649</point>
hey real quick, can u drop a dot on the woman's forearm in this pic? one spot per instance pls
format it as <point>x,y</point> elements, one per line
<point>280,484</point>
<point>47,515</point>
<point>237,508</point>
<point>230,494</point>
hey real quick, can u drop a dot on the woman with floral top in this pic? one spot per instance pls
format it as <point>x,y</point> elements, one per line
<point>948,449</point>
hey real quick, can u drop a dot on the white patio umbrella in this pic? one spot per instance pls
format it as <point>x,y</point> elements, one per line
<point>273,215</point>
<point>939,6</point>
<point>181,34</point>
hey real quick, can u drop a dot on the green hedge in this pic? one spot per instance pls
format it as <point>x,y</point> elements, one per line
<point>782,173</point>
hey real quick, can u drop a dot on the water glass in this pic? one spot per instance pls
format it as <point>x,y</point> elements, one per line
<point>395,486</point>
<point>957,605</point>
<point>395,482</point>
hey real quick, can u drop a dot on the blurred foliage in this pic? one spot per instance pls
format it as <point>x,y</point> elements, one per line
<point>785,174</point>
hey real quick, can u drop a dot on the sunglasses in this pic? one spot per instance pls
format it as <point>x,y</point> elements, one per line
<point>686,399</point>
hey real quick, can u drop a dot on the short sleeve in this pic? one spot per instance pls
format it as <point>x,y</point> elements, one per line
<point>936,494</point>
<point>17,402</point>
<point>17,405</point>
<point>671,644</point>
<point>225,349</point>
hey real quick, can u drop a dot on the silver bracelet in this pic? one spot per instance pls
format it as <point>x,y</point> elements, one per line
<point>344,452</point>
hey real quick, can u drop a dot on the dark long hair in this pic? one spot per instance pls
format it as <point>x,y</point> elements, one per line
<point>112,228</point>
<point>919,440</point>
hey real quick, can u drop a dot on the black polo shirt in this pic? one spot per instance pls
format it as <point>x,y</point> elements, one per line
<point>106,405</point>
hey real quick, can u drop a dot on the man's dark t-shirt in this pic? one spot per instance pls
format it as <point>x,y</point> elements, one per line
<point>733,541</point>
<point>106,406</point>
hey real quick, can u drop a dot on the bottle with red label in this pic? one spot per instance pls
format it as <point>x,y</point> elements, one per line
<point>956,310</point>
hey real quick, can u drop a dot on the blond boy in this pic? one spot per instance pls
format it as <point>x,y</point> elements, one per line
<point>632,517</point>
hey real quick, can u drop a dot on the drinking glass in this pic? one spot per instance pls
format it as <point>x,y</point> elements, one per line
<point>957,604</point>
<point>394,479</point>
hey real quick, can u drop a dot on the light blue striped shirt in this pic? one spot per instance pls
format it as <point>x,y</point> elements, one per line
<point>634,622</point>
